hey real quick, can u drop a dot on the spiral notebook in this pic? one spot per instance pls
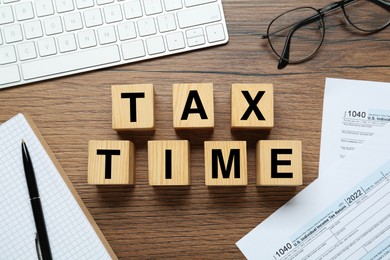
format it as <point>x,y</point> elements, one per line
<point>72,232</point>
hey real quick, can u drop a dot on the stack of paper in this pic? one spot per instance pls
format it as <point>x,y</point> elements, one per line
<point>345,214</point>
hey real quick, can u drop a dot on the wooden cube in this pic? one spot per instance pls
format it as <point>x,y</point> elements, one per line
<point>111,162</point>
<point>169,163</point>
<point>225,163</point>
<point>132,107</point>
<point>252,106</point>
<point>279,163</point>
<point>193,106</point>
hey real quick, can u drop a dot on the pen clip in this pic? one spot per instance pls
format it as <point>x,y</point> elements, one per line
<point>38,247</point>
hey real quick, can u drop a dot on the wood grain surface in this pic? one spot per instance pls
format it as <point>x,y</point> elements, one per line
<point>198,222</point>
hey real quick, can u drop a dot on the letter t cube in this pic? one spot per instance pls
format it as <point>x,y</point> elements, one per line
<point>111,162</point>
<point>132,107</point>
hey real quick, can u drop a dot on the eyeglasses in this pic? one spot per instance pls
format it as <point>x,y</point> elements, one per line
<point>296,36</point>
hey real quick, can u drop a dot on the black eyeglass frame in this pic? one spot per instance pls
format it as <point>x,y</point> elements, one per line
<point>284,56</point>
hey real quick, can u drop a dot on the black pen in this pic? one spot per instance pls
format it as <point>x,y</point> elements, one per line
<point>39,219</point>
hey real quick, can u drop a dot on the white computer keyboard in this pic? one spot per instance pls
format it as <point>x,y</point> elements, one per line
<point>43,39</point>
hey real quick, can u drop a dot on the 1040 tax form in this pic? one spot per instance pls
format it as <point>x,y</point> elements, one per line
<point>345,214</point>
<point>354,110</point>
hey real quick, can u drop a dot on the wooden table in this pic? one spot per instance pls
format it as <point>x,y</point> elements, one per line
<point>198,222</point>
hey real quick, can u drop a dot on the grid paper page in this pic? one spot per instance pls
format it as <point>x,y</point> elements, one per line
<point>70,233</point>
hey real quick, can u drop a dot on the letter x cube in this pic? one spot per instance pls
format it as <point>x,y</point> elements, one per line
<point>252,106</point>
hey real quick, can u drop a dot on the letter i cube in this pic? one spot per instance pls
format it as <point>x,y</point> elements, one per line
<point>169,163</point>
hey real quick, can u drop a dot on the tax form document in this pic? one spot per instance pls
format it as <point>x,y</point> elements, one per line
<point>353,112</point>
<point>345,214</point>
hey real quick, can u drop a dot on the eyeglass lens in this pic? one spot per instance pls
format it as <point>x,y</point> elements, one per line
<point>305,39</point>
<point>368,15</point>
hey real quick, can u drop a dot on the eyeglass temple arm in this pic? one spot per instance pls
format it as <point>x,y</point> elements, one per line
<point>283,61</point>
<point>325,10</point>
<point>382,3</point>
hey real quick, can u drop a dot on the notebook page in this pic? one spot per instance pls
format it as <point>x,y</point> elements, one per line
<point>70,233</point>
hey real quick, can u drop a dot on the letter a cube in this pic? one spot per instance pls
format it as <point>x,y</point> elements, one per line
<point>193,106</point>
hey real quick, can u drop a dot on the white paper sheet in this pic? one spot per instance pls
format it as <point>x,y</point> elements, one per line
<point>353,112</point>
<point>345,214</point>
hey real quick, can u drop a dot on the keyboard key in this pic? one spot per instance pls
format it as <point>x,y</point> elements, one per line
<point>126,31</point>
<point>175,41</point>
<point>93,17</point>
<point>6,15</point>
<point>67,43</point>
<point>53,25</point>
<point>194,32</point>
<point>71,62</point>
<point>73,22</point>
<point>87,39</point>
<point>47,47</point>
<point>9,74</point>
<point>13,33</point>
<point>199,15</point>
<point>166,22</point>
<point>197,2</point>
<point>146,27</point>
<point>33,29</point>
<point>81,4</point>
<point>133,49</point>
<point>215,33</point>
<point>103,2</point>
<point>155,45</point>
<point>44,7</point>
<point>113,13</point>
<point>24,11</point>
<point>171,5</point>
<point>152,7</point>
<point>132,9</point>
<point>196,41</point>
<point>1,39</point>
<point>27,51</point>
<point>64,5</point>
<point>106,35</point>
<point>7,55</point>
<point>195,37</point>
